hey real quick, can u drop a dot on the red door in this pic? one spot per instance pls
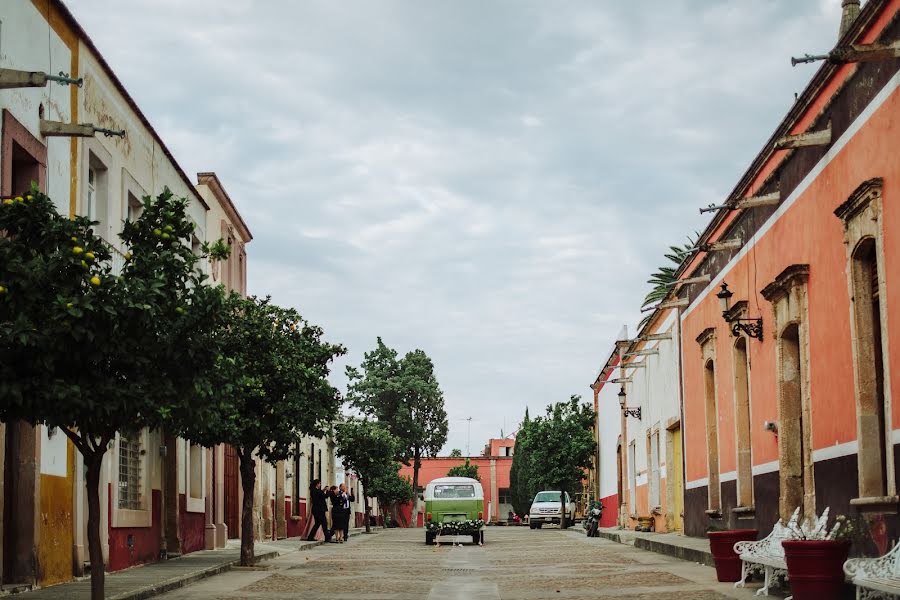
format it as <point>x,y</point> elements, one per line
<point>232,497</point>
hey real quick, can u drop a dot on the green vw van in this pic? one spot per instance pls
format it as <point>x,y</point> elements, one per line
<point>454,506</point>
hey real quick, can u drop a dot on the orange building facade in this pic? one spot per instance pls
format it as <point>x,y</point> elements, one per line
<point>493,471</point>
<point>800,414</point>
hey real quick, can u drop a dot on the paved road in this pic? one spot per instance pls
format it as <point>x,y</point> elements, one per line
<point>515,563</point>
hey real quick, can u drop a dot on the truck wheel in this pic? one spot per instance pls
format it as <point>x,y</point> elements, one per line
<point>532,526</point>
<point>429,538</point>
<point>539,525</point>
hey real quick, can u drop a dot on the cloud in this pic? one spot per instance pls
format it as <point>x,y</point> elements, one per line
<point>493,183</point>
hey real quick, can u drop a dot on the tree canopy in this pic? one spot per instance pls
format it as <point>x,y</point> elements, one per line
<point>368,448</point>
<point>404,395</point>
<point>522,487</point>
<point>466,470</point>
<point>270,385</point>
<point>566,448</point>
<point>95,350</point>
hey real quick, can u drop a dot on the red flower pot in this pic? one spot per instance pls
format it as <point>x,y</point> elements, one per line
<point>721,544</point>
<point>816,568</point>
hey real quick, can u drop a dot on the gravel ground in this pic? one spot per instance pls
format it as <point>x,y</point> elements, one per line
<point>515,563</point>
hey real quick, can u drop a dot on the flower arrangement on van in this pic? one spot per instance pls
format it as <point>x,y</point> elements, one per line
<point>454,527</point>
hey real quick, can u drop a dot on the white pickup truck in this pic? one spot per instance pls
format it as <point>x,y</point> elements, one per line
<point>546,509</point>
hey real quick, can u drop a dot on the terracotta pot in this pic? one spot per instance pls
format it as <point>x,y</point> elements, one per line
<point>721,544</point>
<point>816,568</point>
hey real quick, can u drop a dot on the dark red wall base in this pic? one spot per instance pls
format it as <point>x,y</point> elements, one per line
<point>192,526</point>
<point>144,545</point>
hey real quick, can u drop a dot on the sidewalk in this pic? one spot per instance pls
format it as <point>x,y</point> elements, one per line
<point>672,544</point>
<point>157,578</point>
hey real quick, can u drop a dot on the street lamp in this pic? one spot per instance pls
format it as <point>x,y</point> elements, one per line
<point>629,412</point>
<point>752,327</point>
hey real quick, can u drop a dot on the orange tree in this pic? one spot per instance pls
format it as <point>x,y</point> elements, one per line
<point>93,352</point>
<point>271,386</point>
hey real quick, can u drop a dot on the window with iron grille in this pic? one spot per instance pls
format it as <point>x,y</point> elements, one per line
<point>130,472</point>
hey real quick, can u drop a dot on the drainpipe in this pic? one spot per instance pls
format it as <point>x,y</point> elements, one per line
<point>849,12</point>
<point>681,419</point>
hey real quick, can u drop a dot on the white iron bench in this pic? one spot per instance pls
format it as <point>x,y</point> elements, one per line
<point>875,578</point>
<point>767,554</point>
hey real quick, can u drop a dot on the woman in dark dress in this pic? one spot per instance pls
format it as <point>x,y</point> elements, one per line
<point>337,515</point>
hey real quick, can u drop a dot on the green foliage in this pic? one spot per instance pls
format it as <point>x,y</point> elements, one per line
<point>89,351</point>
<point>456,453</point>
<point>522,488</point>
<point>405,395</point>
<point>564,446</point>
<point>367,448</point>
<point>466,470</point>
<point>663,279</point>
<point>270,381</point>
<point>93,350</point>
<point>390,487</point>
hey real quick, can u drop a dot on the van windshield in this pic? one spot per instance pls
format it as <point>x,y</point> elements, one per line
<point>547,497</point>
<point>454,490</point>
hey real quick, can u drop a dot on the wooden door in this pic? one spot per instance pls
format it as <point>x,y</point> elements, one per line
<point>678,476</point>
<point>232,492</point>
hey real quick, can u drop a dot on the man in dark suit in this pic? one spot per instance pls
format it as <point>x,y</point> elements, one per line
<point>345,499</point>
<point>319,508</point>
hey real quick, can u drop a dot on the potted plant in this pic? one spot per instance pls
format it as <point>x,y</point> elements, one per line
<point>721,544</point>
<point>815,559</point>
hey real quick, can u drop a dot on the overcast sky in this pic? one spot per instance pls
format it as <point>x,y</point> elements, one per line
<point>490,181</point>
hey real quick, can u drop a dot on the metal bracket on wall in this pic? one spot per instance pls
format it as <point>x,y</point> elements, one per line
<point>14,78</point>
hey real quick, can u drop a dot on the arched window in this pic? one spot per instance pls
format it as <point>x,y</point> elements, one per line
<point>866,301</point>
<point>864,240</point>
<point>788,296</point>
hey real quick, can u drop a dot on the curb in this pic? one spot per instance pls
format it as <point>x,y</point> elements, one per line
<point>660,547</point>
<point>180,582</point>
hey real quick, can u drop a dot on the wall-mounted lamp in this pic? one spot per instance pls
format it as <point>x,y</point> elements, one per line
<point>629,412</point>
<point>752,327</point>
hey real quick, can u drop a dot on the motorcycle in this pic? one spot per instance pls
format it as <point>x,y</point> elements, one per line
<point>592,518</point>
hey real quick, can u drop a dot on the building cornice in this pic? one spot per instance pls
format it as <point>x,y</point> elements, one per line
<point>211,180</point>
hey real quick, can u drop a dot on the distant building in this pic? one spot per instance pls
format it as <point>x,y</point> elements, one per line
<point>493,471</point>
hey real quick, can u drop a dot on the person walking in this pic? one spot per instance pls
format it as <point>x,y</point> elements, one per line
<point>319,510</point>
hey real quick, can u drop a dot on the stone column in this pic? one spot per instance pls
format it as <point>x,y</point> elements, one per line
<point>495,505</point>
<point>280,521</point>
<point>219,496</point>
<point>209,540</point>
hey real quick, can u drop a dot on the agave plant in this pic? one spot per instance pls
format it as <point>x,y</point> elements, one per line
<point>663,279</point>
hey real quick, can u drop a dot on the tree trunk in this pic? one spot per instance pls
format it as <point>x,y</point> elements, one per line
<point>415,485</point>
<point>362,490</point>
<point>94,461</point>
<point>563,510</point>
<point>248,481</point>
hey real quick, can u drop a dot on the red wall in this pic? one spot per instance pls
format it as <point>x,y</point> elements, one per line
<point>434,468</point>
<point>146,539</point>
<point>192,527</point>
<point>295,527</point>
<point>610,505</point>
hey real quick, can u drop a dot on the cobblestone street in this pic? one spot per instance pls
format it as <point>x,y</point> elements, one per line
<point>515,563</point>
